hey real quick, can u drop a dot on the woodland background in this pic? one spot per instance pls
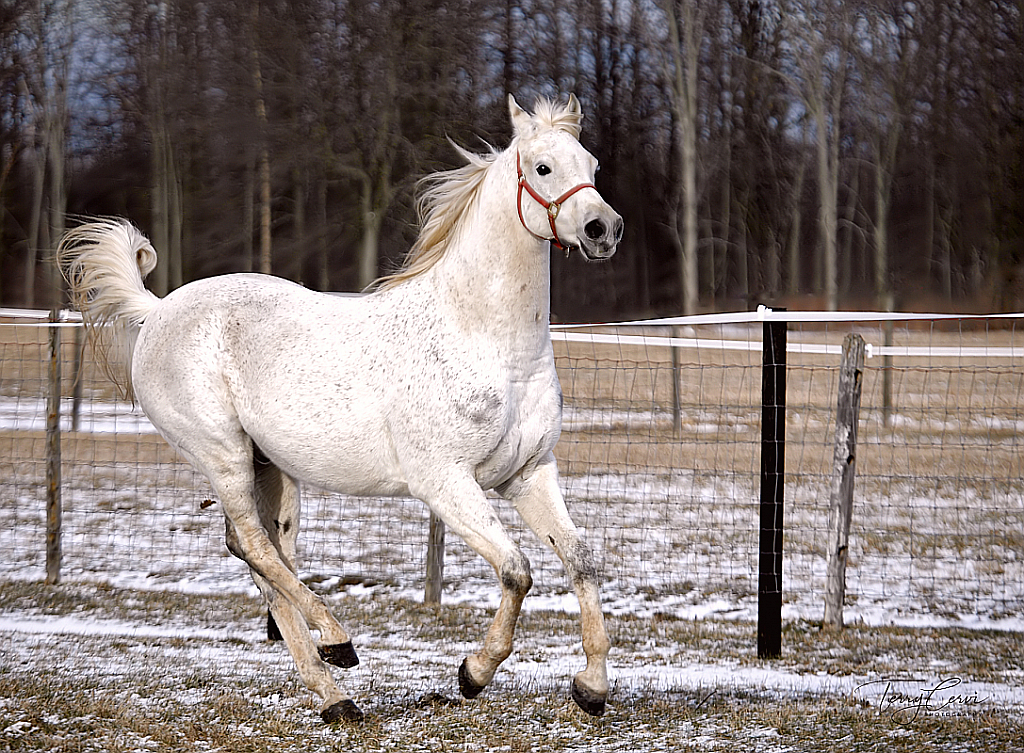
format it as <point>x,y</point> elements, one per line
<point>789,152</point>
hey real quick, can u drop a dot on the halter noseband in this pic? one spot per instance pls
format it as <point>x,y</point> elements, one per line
<point>552,207</point>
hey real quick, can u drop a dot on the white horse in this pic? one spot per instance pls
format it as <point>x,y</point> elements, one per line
<point>438,385</point>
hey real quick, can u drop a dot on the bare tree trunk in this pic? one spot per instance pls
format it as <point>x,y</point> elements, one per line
<point>9,159</point>
<point>58,192</point>
<point>741,247</point>
<point>175,271</point>
<point>725,230</point>
<point>945,250</point>
<point>264,153</point>
<point>773,270</point>
<point>370,241</point>
<point>299,215</point>
<point>32,246</point>
<point>166,207</point>
<point>685,60</point>
<point>708,265</point>
<point>883,180</point>
<point>827,151</point>
<point>38,197</point>
<point>248,216</point>
<point>823,58</point>
<point>930,219</point>
<point>324,280</point>
<point>793,252</point>
<point>159,279</point>
<point>849,236</point>
<point>265,266</point>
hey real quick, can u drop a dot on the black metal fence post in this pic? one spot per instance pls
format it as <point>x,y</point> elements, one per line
<point>773,466</point>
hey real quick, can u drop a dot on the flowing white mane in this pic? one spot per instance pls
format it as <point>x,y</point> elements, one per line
<point>445,199</point>
<point>447,195</point>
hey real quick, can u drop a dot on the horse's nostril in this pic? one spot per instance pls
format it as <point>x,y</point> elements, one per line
<point>618,230</point>
<point>594,230</point>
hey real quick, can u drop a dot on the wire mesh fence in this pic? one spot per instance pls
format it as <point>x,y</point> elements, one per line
<point>659,458</point>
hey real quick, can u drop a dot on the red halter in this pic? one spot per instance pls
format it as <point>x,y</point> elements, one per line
<point>552,207</point>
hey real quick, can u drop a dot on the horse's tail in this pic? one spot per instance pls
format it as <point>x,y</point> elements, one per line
<point>104,263</point>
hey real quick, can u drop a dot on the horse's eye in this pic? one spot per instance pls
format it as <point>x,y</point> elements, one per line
<point>543,169</point>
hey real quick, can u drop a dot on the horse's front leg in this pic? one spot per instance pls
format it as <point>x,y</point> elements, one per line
<point>477,670</point>
<point>465,509</point>
<point>539,501</point>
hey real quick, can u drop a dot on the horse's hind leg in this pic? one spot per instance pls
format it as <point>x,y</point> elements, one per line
<point>539,502</point>
<point>230,468</point>
<point>279,506</point>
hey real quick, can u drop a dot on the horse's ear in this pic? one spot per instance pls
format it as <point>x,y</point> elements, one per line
<point>574,107</point>
<point>520,117</point>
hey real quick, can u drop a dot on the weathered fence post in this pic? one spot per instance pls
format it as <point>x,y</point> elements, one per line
<point>76,393</point>
<point>887,375</point>
<point>773,466</point>
<point>53,499</point>
<point>435,561</point>
<point>844,467</point>
<point>677,411</point>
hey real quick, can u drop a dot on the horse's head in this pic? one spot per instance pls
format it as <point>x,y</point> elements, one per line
<point>556,197</point>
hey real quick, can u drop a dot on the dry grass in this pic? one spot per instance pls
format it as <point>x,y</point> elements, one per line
<point>134,692</point>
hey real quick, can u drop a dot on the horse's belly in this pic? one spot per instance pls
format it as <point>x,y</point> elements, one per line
<point>343,456</point>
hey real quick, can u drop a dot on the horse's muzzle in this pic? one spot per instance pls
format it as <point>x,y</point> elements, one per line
<point>601,236</point>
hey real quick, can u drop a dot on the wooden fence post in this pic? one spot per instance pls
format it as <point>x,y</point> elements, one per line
<point>887,376</point>
<point>677,411</point>
<point>435,561</point>
<point>53,499</point>
<point>844,467</point>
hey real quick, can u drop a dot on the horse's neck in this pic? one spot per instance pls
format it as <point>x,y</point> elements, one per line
<point>495,276</point>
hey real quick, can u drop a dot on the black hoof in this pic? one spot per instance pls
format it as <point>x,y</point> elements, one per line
<point>342,711</point>
<point>273,631</point>
<point>588,700</point>
<point>339,654</point>
<point>467,687</point>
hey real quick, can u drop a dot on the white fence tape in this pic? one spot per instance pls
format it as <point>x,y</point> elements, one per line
<point>575,333</point>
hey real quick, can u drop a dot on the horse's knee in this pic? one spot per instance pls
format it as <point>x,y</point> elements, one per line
<point>579,563</point>
<point>515,575</point>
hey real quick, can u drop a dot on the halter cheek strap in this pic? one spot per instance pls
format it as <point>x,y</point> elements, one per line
<point>552,207</point>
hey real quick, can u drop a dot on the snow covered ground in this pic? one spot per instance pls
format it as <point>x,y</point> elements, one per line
<point>632,674</point>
